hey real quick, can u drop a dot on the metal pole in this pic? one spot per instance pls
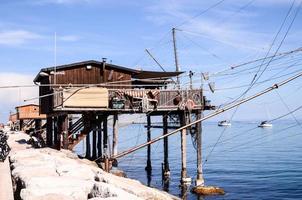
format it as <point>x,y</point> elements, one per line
<point>217,112</point>
<point>175,56</point>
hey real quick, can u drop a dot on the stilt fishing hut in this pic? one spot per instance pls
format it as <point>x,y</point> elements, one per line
<point>97,90</point>
<point>29,117</point>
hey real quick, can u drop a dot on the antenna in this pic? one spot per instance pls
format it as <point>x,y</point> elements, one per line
<point>55,58</point>
<point>175,56</point>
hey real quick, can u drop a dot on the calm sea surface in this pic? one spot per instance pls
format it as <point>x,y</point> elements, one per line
<point>247,162</point>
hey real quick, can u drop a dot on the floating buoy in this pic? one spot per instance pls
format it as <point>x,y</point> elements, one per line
<point>208,190</point>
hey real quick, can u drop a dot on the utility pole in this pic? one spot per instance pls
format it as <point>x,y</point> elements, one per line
<point>175,56</point>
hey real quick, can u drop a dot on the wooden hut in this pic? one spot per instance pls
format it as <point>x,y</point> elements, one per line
<point>96,90</point>
<point>29,116</point>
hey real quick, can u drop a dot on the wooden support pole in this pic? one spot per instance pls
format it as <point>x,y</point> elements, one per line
<point>166,169</point>
<point>199,178</point>
<point>149,166</point>
<point>88,147</point>
<point>105,136</point>
<point>99,143</point>
<point>57,139</point>
<point>49,133</point>
<point>69,122</point>
<point>94,144</point>
<point>21,125</point>
<point>184,179</point>
<point>64,131</point>
<point>38,123</point>
<point>115,134</point>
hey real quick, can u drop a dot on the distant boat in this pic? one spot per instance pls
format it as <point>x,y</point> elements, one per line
<point>265,124</point>
<point>224,123</point>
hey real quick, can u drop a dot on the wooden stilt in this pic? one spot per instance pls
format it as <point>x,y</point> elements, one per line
<point>64,131</point>
<point>105,136</point>
<point>21,125</point>
<point>115,134</point>
<point>94,144</point>
<point>184,179</point>
<point>149,166</point>
<point>199,179</point>
<point>88,147</point>
<point>99,143</point>
<point>49,133</point>
<point>56,137</point>
<point>166,169</point>
<point>38,125</point>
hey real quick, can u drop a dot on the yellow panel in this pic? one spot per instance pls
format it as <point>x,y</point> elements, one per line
<point>86,98</point>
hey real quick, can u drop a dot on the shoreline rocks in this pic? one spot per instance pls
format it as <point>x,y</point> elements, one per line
<point>49,174</point>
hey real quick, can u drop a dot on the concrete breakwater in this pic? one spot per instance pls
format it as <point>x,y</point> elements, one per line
<point>50,174</point>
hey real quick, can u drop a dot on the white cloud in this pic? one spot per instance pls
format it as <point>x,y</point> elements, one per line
<point>41,2</point>
<point>222,24</point>
<point>17,37</point>
<point>69,38</point>
<point>12,97</point>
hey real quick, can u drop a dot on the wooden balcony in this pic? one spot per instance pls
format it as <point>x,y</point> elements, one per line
<point>126,100</point>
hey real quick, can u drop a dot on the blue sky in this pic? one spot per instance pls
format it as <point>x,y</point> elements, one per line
<point>121,30</point>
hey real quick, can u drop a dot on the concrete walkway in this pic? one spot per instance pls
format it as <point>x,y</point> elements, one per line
<point>17,142</point>
<point>6,188</point>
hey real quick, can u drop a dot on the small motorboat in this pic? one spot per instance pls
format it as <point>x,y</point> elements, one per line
<point>265,124</point>
<point>224,123</point>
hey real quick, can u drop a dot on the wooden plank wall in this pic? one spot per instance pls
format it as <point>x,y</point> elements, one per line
<point>81,75</point>
<point>29,112</point>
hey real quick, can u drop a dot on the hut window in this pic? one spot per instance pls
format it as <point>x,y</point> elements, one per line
<point>88,67</point>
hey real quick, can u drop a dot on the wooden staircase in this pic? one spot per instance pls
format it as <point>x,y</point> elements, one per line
<point>78,131</point>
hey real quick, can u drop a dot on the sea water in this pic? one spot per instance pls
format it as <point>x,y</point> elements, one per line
<point>246,161</point>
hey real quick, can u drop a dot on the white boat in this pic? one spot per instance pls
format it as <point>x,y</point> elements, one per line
<point>265,124</point>
<point>224,123</point>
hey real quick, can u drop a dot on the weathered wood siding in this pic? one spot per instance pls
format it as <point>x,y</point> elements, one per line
<point>82,75</point>
<point>46,101</point>
<point>29,112</point>
<point>77,76</point>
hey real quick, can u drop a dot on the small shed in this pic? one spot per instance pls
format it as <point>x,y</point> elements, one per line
<point>13,117</point>
<point>28,112</point>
